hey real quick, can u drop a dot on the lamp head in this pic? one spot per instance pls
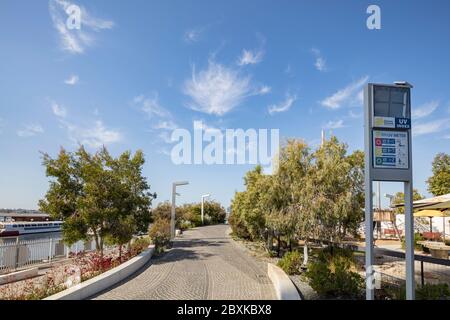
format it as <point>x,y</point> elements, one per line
<point>181,183</point>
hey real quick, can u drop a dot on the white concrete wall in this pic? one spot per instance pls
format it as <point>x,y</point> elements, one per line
<point>284,288</point>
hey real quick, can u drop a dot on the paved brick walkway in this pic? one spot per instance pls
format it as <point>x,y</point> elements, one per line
<point>204,263</point>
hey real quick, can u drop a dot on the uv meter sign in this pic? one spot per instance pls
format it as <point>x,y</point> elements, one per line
<point>387,146</point>
<point>388,131</point>
<point>390,149</point>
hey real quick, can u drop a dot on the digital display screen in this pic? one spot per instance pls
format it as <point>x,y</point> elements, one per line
<point>391,102</point>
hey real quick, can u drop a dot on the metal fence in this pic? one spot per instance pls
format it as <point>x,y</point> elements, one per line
<point>428,270</point>
<point>390,267</point>
<point>18,254</point>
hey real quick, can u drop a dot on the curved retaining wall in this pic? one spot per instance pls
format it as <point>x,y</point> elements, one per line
<point>284,288</point>
<point>105,280</point>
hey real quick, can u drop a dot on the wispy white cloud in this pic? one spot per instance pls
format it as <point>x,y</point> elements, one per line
<point>425,109</point>
<point>72,80</point>
<point>76,40</point>
<point>94,136</point>
<point>430,127</point>
<point>288,71</point>
<point>161,119</point>
<point>165,137</point>
<point>218,89</point>
<point>151,105</point>
<point>283,106</point>
<point>265,90</point>
<point>320,62</point>
<point>164,150</point>
<point>354,115</point>
<point>59,110</point>
<point>193,35</point>
<point>165,125</point>
<point>334,124</point>
<point>360,98</point>
<point>250,57</point>
<point>346,95</point>
<point>30,130</point>
<point>208,128</point>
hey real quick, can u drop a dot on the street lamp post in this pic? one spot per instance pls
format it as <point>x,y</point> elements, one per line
<point>174,195</point>
<point>203,200</point>
<point>391,203</point>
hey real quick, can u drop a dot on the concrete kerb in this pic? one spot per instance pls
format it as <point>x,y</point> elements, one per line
<point>105,280</point>
<point>284,288</point>
<point>19,275</point>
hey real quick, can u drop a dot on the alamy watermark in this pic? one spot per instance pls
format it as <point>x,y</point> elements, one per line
<point>74,17</point>
<point>373,278</point>
<point>229,146</point>
<point>373,22</point>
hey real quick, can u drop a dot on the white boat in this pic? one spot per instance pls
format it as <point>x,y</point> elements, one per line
<point>8,229</point>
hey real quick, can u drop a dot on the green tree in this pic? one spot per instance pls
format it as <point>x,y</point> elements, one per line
<point>283,193</point>
<point>399,198</point>
<point>248,218</point>
<point>213,212</point>
<point>162,211</point>
<point>439,182</point>
<point>332,196</point>
<point>97,195</point>
<point>310,196</point>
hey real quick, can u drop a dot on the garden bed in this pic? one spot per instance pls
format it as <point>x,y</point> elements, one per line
<point>81,267</point>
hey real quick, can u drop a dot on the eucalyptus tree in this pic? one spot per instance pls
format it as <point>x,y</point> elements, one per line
<point>439,182</point>
<point>310,196</point>
<point>332,194</point>
<point>248,216</point>
<point>283,195</point>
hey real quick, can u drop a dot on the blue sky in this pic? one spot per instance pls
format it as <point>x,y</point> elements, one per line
<point>137,69</point>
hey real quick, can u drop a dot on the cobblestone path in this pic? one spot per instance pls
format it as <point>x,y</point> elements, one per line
<point>204,263</point>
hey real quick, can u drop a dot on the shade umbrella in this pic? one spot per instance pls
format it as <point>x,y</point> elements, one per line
<point>439,206</point>
<point>431,214</point>
<point>439,202</point>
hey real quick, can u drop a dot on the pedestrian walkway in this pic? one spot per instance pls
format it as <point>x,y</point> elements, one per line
<point>204,263</point>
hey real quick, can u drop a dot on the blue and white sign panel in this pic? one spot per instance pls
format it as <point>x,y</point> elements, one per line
<point>392,122</point>
<point>391,149</point>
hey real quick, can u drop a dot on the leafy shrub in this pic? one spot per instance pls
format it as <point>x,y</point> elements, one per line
<point>184,225</point>
<point>433,292</point>
<point>160,234</point>
<point>394,292</point>
<point>417,237</point>
<point>291,262</point>
<point>331,274</point>
<point>139,245</point>
<point>427,292</point>
<point>214,212</point>
<point>238,227</point>
<point>192,215</point>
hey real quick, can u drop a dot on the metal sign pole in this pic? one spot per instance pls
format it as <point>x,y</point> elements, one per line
<point>172,215</point>
<point>370,292</point>
<point>388,157</point>
<point>370,275</point>
<point>409,241</point>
